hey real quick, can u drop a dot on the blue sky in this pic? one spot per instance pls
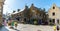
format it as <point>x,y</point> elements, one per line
<point>11,5</point>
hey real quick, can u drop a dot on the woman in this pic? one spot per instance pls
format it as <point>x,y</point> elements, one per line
<point>57,28</point>
<point>5,23</point>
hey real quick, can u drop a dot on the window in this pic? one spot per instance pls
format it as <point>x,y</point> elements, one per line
<point>53,13</point>
<point>53,7</point>
<point>58,21</point>
<point>50,21</point>
<point>40,14</point>
<point>24,19</point>
<point>20,14</point>
<point>53,20</point>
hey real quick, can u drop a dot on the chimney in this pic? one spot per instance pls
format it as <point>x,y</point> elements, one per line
<point>18,10</point>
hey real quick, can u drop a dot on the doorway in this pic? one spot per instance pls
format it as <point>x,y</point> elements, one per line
<point>58,21</point>
<point>53,21</point>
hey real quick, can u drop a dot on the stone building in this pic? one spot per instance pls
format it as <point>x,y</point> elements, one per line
<point>1,10</point>
<point>29,14</point>
<point>54,14</point>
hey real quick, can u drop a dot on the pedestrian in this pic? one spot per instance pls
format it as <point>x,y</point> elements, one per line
<point>57,28</point>
<point>5,24</point>
<point>9,23</point>
<point>15,24</point>
<point>12,24</point>
<point>54,27</point>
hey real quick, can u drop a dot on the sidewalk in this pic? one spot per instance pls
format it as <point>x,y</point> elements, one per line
<point>27,27</point>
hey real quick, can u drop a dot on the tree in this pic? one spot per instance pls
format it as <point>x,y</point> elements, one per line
<point>44,16</point>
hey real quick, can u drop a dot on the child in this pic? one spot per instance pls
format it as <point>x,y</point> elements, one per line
<point>54,27</point>
<point>15,23</point>
<point>9,23</point>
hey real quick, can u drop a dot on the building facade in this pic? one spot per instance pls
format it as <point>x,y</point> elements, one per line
<point>29,14</point>
<point>1,10</point>
<point>54,14</point>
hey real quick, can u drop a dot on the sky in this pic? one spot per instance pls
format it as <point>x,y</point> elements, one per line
<point>11,5</point>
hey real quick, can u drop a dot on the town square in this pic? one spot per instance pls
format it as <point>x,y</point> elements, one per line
<point>29,15</point>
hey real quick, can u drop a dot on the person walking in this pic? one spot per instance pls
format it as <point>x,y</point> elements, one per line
<point>12,24</point>
<point>54,27</point>
<point>5,24</point>
<point>15,24</point>
<point>57,28</point>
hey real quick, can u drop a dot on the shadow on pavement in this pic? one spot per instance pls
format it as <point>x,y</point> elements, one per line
<point>16,29</point>
<point>3,29</point>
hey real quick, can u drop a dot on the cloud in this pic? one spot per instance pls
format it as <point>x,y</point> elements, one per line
<point>7,6</point>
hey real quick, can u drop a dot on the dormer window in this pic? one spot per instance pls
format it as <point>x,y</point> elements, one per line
<point>53,7</point>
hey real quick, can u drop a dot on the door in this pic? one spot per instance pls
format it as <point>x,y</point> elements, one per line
<point>53,20</point>
<point>58,21</point>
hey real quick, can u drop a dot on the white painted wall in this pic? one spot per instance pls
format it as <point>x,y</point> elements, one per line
<point>57,13</point>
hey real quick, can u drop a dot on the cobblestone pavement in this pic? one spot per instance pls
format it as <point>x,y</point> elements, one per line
<point>27,27</point>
